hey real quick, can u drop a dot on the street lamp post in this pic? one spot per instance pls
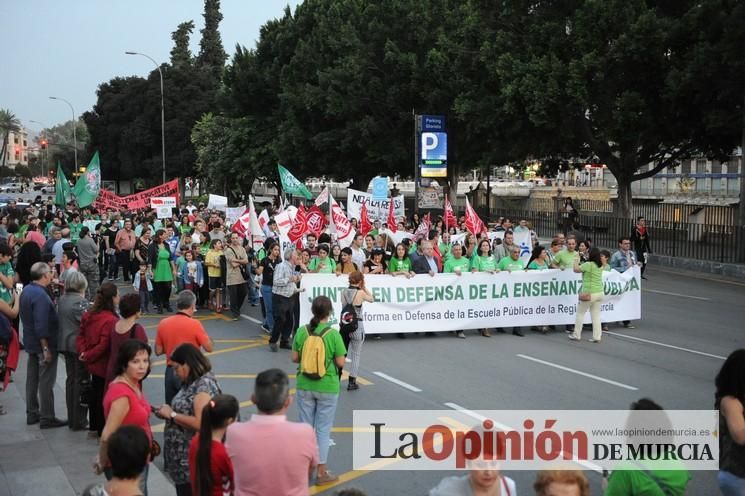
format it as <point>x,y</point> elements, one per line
<point>162,110</point>
<point>74,127</point>
<point>43,152</point>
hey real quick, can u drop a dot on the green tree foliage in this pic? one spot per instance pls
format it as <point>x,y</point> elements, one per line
<point>60,145</point>
<point>212,56</point>
<point>223,155</point>
<point>604,79</point>
<point>125,122</point>
<point>8,123</point>
<point>180,54</point>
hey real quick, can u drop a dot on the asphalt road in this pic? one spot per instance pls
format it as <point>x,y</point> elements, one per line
<point>690,324</point>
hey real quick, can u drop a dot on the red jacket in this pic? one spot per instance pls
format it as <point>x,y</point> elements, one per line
<point>14,351</point>
<point>93,340</point>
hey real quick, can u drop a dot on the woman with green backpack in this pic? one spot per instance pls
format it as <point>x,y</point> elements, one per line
<point>319,351</point>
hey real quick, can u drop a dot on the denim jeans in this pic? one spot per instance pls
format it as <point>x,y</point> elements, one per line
<point>318,410</point>
<point>730,484</point>
<point>266,295</point>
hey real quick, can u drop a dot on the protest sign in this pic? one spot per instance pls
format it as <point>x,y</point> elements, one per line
<point>217,202</point>
<point>448,302</point>
<point>376,209</point>
<point>137,201</point>
<point>163,206</point>
<point>232,214</point>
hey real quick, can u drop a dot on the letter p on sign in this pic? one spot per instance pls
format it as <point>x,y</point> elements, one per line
<point>434,146</point>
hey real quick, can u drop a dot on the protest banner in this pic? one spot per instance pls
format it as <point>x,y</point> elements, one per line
<point>232,214</point>
<point>163,206</point>
<point>376,209</point>
<point>137,201</point>
<point>449,302</point>
<point>217,202</point>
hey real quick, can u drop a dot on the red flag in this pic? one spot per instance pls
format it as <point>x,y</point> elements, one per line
<point>473,223</point>
<point>450,220</point>
<point>365,224</point>
<point>391,221</point>
<point>299,225</point>
<point>239,227</point>
<point>422,231</point>
<point>315,220</point>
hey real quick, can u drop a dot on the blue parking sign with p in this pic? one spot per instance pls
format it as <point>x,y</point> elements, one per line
<point>434,146</point>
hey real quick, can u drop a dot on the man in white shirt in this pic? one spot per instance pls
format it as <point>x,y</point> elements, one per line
<point>358,255</point>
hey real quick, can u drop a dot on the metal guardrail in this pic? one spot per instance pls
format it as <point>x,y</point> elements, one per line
<point>719,243</point>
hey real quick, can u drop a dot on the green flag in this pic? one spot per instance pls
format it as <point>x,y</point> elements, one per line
<point>291,185</point>
<point>89,183</point>
<point>61,187</point>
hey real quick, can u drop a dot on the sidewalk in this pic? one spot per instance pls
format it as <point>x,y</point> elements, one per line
<point>51,462</point>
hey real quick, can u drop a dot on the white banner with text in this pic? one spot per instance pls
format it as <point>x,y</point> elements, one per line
<point>448,302</point>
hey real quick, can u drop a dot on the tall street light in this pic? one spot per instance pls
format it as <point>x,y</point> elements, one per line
<point>74,127</point>
<point>162,110</point>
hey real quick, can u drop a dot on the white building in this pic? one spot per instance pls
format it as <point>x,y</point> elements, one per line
<point>17,151</point>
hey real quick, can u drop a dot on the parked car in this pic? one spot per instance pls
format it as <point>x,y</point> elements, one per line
<point>11,187</point>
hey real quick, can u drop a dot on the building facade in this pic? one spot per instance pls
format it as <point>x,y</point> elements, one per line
<point>17,151</point>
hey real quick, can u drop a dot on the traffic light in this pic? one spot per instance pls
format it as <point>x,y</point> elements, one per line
<point>44,144</point>
<point>18,151</point>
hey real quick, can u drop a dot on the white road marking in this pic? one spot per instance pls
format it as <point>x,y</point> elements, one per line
<point>687,350</point>
<point>248,317</point>
<point>701,298</point>
<point>503,427</point>
<point>403,384</point>
<point>579,372</point>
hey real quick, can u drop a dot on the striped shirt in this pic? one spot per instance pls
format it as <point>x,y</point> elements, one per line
<point>282,285</point>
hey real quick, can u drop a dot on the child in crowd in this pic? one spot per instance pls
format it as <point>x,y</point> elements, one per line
<point>214,272</point>
<point>191,276</point>
<point>180,264</point>
<point>210,468</point>
<point>143,284</point>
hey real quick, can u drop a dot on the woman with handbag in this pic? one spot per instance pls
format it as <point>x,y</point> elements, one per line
<point>237,274</point>
<point>590,296</point>
<point>125,403</point>
<point>356,294</point>
<point>93,345</point>
<point>184,414</point>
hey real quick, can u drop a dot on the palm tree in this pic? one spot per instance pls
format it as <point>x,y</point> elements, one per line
<point>8,123</point>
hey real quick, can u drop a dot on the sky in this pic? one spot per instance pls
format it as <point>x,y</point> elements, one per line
<point>66,48</point>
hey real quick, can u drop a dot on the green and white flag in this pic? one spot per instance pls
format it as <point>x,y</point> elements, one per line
<point>61,187</point>
<point>89,183</point>
<point>291,184</point>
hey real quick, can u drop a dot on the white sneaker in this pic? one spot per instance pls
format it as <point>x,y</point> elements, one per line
<point>573,337</point>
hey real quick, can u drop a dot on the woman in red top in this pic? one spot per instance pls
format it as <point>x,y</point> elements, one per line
<point>125,403</point>
<point>125,329</point>
<point>210,468</point>
<point>93,344</point>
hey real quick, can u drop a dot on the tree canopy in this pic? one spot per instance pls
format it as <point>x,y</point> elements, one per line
<point>331,89</point>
